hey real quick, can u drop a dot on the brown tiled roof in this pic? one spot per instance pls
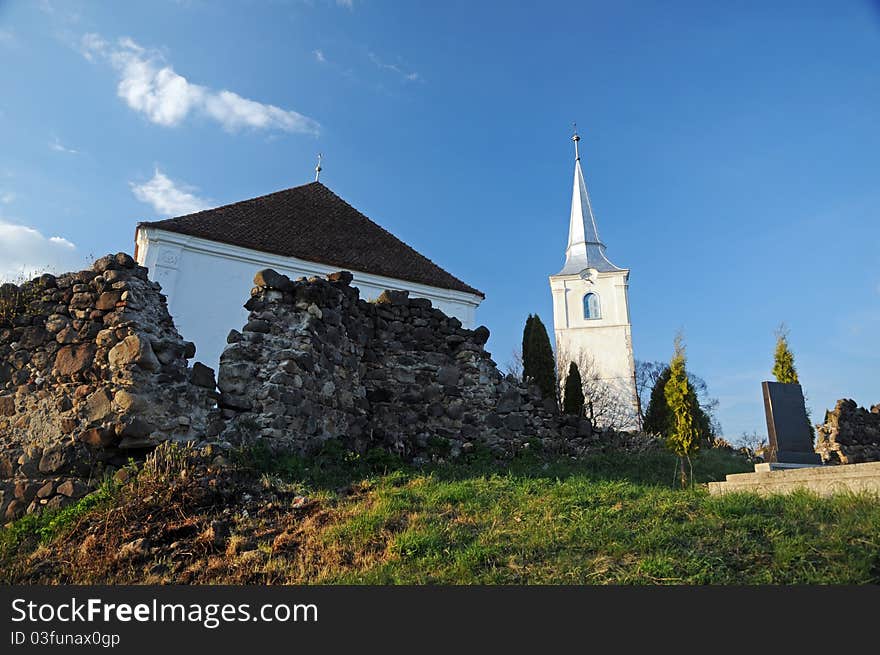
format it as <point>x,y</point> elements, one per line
<point>311,222</point>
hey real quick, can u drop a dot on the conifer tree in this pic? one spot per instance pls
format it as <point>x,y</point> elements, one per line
<point>527,359</point>
<point>657,418</point>
<point>783,367</point>
<point>683,438</point>
<point>573,397</point>
<point>540,366</point>
<point>783,359</point>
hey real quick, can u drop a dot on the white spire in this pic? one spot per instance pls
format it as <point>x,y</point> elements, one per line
<point>584,249</point>
<point>318,168</point>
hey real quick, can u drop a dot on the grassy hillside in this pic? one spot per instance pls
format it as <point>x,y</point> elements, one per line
<point>609,519</point>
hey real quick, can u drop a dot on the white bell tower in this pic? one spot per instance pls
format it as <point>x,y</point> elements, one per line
<point>591,313</point>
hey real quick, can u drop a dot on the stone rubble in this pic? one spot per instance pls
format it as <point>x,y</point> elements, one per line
<point>315,362</point>
<point>850,434</point>
<point>92,371</point>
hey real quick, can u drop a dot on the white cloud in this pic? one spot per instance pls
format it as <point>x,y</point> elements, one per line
<point>25,252</point>
<point>7,38</point>
<point>319,55</point>
<point>167,197</point>
<point>348,4</point>
<point>409,76</point>
<point>92,45</point>
<point>6,197</point>
<point>57,146</point>
<point>151,87</point>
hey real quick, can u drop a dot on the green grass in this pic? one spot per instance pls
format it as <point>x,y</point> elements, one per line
<point>334,467</point>
<point>35,529</point>
<point>580,529</point>
<point>607,519</point>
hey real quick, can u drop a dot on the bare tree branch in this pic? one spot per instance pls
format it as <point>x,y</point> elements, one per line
<point>606,401</point>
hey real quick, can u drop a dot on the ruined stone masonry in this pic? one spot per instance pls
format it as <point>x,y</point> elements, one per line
<point>850,434</point>
<point>92,371</point>
<point>315,362</point>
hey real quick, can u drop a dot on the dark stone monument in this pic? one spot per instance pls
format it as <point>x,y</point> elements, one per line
<point>791,440</point>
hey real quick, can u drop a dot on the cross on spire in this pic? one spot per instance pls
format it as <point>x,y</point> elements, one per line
<point>584,249</point>
<point>318,168</point>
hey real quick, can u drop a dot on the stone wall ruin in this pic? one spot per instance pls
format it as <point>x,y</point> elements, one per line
<point>92,371</point>
<point>850,434</point>
<point>315,362</point>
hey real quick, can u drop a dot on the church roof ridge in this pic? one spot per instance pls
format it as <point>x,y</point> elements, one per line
<point>313,223</point>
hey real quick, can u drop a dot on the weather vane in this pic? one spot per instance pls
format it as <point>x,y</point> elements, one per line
<point>576,138</point>
<point>318,168</point>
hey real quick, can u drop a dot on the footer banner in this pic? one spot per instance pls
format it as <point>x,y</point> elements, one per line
<point>399,619</point>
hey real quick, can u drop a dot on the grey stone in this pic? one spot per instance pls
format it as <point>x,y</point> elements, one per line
<point>271,279</point>
<point>97,406</point>
<point>72,489</point>
<point>394,298</point>
<point>134,349</point>
<point>53,460</point>
<point>448,376</point>
<point>509,402</point>
<point>791,439</point>
<point>128,402</point>
<point>481,335</point>
<point>107,300</point>
<point>7,406</point>
<point>202,376</point>
<point>46,490</point>
<point>257,326</point>
<point>71,360</point>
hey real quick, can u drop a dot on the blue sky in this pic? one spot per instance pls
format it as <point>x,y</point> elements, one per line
<point>732,152</point>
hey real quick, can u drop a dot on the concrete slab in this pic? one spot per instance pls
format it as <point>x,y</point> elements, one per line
<point>823,480</point>
<point>764,467</point>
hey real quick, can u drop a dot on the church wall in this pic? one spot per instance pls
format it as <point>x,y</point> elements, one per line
<point>569,292</point>
<point>205,281</point>
<point>606,341</point>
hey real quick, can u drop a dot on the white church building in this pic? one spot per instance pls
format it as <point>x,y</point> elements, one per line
<point>590,302</point>
<point>206,261</point>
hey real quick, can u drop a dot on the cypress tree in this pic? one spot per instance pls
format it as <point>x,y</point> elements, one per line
<point>783,367</point>
<point>526,348</point>
<point>541,367</point>
<point>783,359</point>
<point>573,397</point>
<point>657,419</point>
<point>683,438</point>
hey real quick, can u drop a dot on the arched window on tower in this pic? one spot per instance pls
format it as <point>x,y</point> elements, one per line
<point>591,306</point>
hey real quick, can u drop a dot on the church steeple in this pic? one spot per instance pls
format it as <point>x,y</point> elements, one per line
<point>591,306</point>
<point>584,249</point>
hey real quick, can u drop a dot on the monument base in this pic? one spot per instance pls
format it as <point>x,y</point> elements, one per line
<point>823,480</point>
<point>763,467</point>
<point>796,457</point>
